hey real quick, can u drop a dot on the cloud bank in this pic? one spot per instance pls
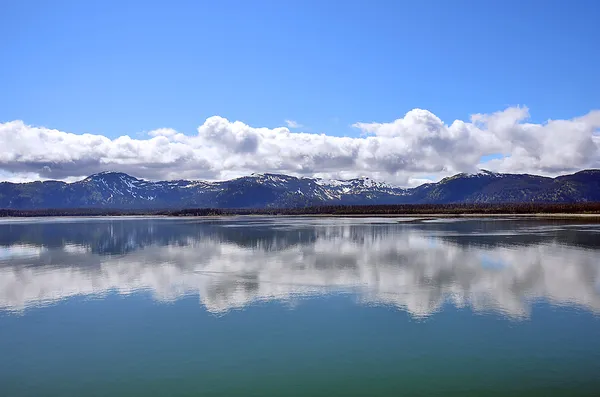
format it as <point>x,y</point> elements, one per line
<point>416,146</point>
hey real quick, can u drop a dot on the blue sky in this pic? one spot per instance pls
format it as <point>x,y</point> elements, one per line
<point>127,67</point>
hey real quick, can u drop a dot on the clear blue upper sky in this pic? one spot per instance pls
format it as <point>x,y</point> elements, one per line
<point>123,67</point>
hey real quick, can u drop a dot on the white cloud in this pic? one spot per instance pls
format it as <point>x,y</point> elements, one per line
<point>414,182</point>
<point>293,124</point>
<point>414,147</point>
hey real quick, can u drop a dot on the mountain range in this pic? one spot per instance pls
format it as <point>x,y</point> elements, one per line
<point>117,190</point>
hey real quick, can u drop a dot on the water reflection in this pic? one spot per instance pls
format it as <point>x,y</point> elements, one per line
<point>485,265</point>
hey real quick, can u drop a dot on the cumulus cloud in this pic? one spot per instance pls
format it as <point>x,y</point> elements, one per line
<point>417,146</point>
<point>293,124</point>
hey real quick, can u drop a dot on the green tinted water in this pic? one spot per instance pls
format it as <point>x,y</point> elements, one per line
<point>298,307</point>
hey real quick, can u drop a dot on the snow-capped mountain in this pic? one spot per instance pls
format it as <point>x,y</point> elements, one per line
<point>122,191</point>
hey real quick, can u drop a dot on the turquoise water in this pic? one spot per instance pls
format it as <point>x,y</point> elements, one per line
<point>298,307</point>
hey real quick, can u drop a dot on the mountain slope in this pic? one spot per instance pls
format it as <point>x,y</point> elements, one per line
<point>121,191</point>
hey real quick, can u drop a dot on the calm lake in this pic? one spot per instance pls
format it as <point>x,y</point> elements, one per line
<point>253,306</point>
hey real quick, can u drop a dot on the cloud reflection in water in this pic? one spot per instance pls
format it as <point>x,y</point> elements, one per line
<point>500,266</point>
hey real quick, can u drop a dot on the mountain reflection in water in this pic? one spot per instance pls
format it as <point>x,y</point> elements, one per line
<point>485,265</point>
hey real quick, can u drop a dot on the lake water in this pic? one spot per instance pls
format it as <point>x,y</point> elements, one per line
<point>299,307</point>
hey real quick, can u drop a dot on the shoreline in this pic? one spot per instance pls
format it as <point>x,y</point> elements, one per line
<point>416,216</point>
<point>442,215</point>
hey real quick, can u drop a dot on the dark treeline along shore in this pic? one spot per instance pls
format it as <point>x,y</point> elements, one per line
<point>406,209</point>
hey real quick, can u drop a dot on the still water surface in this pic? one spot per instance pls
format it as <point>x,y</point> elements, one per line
<point>299,307</point>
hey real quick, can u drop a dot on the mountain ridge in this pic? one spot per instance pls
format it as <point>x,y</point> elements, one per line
<point>118,190</point>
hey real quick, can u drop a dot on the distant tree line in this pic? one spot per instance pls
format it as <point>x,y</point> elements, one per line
<point>404,209</point>
<point>71,212</point>
<point>457,209</point>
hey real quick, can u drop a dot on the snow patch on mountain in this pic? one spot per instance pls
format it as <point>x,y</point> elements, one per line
<point>485,173</point>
